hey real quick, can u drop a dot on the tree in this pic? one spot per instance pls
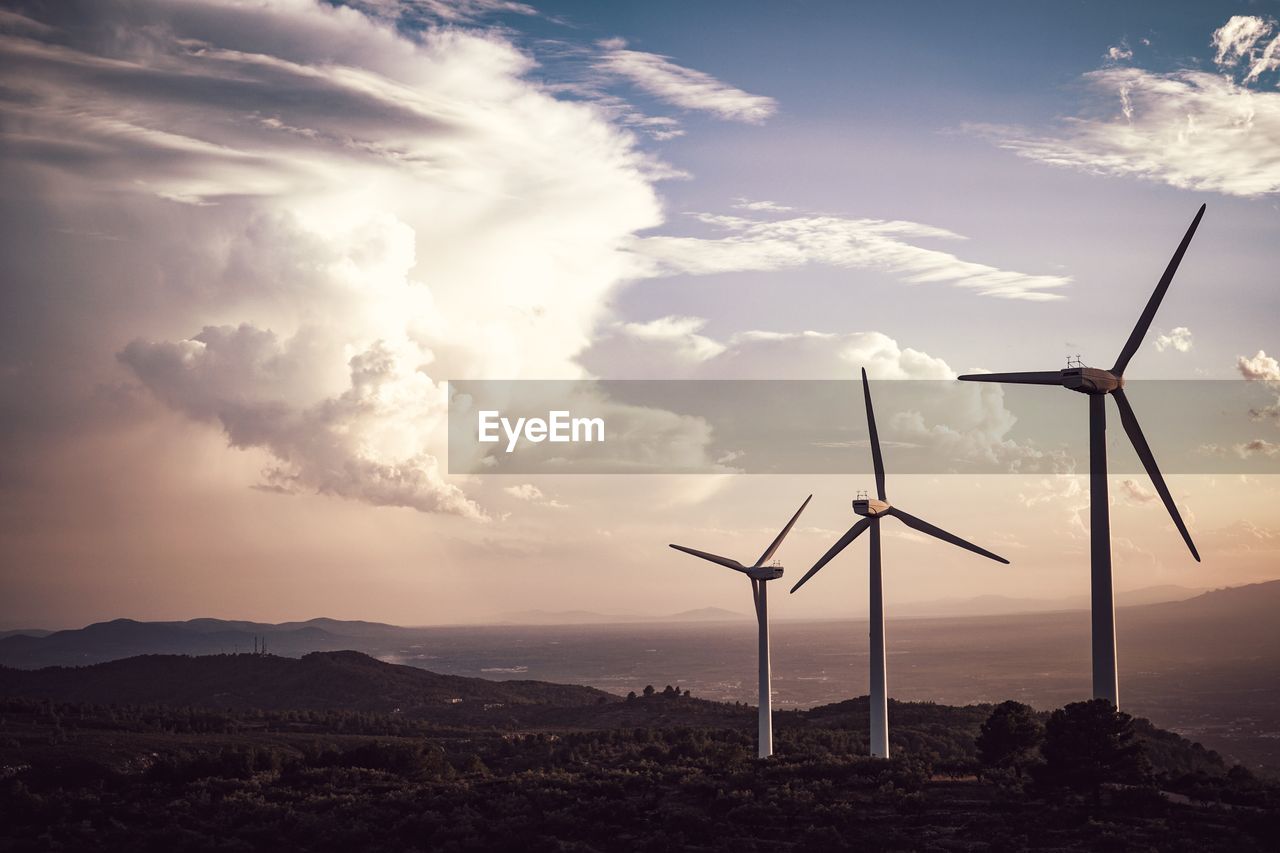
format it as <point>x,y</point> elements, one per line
<point>1010,738</point>
<point>648,690</point>
<point>1089,743</point>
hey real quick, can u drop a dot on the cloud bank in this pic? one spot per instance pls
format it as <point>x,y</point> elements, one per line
<point>347,213</point>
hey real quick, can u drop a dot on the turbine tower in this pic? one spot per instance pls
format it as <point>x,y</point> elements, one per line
<point>872,511</point>
<point>1097,384</point>
<point>760,575</point>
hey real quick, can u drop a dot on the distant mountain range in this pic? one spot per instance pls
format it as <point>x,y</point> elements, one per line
<point>591,617</point>
<point>1237,612</point>
<point>982,605</point>
<point>1001,605</point>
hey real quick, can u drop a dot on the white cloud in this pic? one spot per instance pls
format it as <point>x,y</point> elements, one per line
<point>1136,493</point>
<point>1257,447</point>
<point>1243,45</point>
<point>1189,129</point>
<point>1260,367</point>
<point>680,332</point>
<point>770,206</point>
<point>683,87</point>
<point>1119,52</point>
<point>753,244</point>
<point>1237,39</point>
<point>524,492</point>
<point>364,443</point>
<point>972,424</point>
<point>1186,128</point>
<point>1268,60</point>
<point>1179,339</point>
<point>448,11</point>
<point>679,351</point>
<point>532,494</point>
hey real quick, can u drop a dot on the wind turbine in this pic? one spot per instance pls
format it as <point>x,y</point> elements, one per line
<point>760,575</point>
<point>872,511</point>
<point>1097,384</point>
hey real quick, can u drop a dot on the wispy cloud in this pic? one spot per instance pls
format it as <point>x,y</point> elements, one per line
<point>1136,493</point>
<point>1190,129</point>
<point>683,87</point>
<point>754,244</point>
<point>446,11</point>
<point>532,494</point>
<point>770,206</point>
<point>1257,447</point>
<point>680,334</point>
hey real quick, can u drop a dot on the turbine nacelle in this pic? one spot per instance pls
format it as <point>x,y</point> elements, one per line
<point>765,573</point>
<point>870,507</point>
<point>1091,380</point>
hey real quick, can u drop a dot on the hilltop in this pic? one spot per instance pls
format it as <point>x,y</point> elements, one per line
<point>319,681</point>
<point>348,681</point>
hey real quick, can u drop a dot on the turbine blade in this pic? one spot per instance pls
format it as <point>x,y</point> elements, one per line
<point>1153,304</point>
<point>876,458</point>
<point>715,558</point>
<point>768,552</point>
<point>840,545</point>
<point>1130,422</point>
<point>1034,377</point>
<point>938,533</point>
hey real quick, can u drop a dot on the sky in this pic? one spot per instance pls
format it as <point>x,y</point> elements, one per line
<point>248,245</point>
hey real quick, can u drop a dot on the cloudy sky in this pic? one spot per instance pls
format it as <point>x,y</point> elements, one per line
<point>247,245</point>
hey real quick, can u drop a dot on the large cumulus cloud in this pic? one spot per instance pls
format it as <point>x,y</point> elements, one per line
<point>349,213</point>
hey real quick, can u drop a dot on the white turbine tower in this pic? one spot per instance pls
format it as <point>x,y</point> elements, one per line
<point>1097,383</point>
<point>873,510</point>
<point>760,575</point>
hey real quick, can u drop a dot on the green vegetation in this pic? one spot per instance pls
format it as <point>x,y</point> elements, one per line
<point>130,777</point>
<point>1010,739</point>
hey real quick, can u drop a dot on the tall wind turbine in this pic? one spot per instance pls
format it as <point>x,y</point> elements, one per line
<point>872,511</point>
<point>1097,383</point>
<point>760,575</point>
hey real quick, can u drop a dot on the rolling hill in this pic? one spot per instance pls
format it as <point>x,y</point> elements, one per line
<point>342,680</point>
